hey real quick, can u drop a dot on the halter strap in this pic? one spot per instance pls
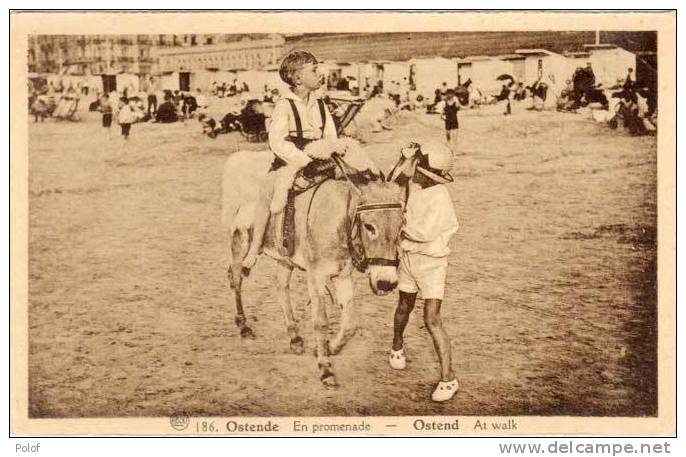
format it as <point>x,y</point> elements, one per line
<point>378,206</point>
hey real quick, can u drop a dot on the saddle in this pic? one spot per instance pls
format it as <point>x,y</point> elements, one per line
<point>313,175</point>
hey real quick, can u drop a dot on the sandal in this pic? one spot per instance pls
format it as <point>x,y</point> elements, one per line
<point>445,390</point>
<point>397,359</point>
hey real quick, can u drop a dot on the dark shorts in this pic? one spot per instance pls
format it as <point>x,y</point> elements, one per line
<point>125,129</point>
<point>107,120</point>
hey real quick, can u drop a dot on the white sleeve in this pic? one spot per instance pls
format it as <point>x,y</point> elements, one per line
<point>449,222</point>
<point>330,127</point>
<point>279,129</point>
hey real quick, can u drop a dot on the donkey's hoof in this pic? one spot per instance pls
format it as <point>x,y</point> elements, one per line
<point>246,332</point>
<point>328,379</point>
<point>297,345</point>
<point>245,271</point>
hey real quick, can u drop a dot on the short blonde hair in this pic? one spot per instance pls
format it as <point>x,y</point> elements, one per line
<point>293,62</point>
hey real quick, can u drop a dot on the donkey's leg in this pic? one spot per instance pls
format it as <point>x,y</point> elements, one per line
<point>239,246</point>
<point>316,284</point>
<point>344,298</point>
<point>283,277</point>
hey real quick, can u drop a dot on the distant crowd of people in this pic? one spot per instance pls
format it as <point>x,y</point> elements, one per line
<point>627,101</point>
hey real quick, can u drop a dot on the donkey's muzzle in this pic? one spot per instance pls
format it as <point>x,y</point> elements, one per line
<point>386,286</point>
<point>383,279</point>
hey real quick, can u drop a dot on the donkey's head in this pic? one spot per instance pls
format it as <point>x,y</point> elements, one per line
<point>375,232</point>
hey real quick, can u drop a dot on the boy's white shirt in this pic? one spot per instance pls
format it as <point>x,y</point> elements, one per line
<point>283,125</point>
<point>430,221</point>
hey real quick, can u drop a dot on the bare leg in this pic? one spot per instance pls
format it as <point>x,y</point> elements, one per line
<point>453,141</point>
<point>432,319</point>
<point>262,214</point>
<point>344,298</point>
<point>283,277</point>
<point>318,296</point>
<point>406,302</point>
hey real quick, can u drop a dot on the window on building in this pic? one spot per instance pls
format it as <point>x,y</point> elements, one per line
<point>193,40</point>
<point>209,40</point>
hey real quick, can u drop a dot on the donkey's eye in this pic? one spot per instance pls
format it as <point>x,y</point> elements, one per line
<point>370,228</point>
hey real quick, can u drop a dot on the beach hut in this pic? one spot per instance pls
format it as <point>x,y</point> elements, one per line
<point>256,80</point>
<point>542,63</point>
<point>168,80</point>
<point>369,73</point>
<point>483,71</point>
<point>395,72</point>
<point>203,79</point>
<point>609,62</point>
<point>428,74</point>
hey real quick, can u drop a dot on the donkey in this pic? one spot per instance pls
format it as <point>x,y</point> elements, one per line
<point>340,225</point>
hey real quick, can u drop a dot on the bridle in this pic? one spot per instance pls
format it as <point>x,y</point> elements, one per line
<point>358,254</point>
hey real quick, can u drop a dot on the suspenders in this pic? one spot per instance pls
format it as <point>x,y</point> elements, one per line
<point>298,122</point>
<point>322,113</point>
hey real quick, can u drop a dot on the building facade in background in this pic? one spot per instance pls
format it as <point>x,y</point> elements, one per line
<point>148,55</point>
<point>91,54</point>
<point>188,53</point>
<point>190,61</point>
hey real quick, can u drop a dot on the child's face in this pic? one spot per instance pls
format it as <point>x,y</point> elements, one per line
<point>309,78</point>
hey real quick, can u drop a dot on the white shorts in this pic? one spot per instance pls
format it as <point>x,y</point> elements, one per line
<point>423,274</point>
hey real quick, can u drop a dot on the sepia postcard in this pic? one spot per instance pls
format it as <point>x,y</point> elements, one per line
<point>343,223</point>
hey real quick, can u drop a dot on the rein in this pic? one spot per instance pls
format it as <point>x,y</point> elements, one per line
<point>338,160</point>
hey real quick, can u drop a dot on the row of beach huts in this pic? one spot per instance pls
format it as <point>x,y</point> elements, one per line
<point>609,64</point>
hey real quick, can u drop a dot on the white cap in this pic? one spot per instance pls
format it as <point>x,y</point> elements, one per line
<point>440,156</point>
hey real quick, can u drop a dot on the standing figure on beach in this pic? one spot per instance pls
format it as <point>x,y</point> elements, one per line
<point>126,117</point>
<point>450,116</point>
<point>430,222</point>
<point>106,109</point>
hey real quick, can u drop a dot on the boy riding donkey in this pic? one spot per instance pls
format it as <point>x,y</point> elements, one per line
<point>430,222</point>
<point>298,119</point>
